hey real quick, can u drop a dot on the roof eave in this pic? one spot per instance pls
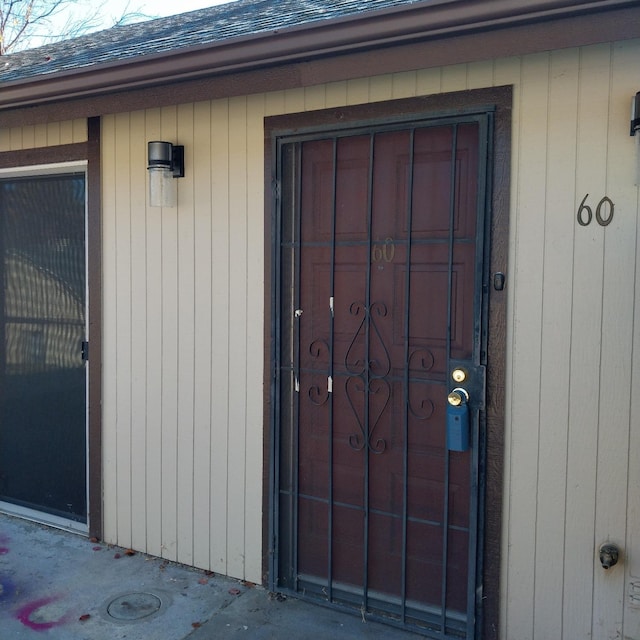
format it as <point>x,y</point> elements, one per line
<point>400,25</point>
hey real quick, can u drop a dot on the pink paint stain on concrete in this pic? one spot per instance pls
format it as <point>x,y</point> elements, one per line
<point>3,551</point>
<point>29,615</point>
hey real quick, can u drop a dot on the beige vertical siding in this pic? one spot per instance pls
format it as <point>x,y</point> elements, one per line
<point>183,320</point>
<point>43,135</point>
<point>571,348</point>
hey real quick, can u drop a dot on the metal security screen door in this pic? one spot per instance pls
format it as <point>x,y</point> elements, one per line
<point>42,356</point>
<point>381,236</point>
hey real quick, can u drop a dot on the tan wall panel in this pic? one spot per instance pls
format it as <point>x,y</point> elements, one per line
<point>168,218</point>
<point>123,384</point>
<point>381,88</point>
<point>239,325</point>
<point>314,98</point>
<point>274,102</point>
<point>616,362</point>
<point>358,91</point>
<point>526,277</point>
<point>44,135</point>
<point>151,385</point>
<point>199,160</point>
<point>221,314</point>
<point>480,74</point>
<point>555,349</point>
<point>186,339</point>
<point>192,286</point>
<point>454,78</point>
<point>586,329</point>
<point>255,342</point>
<point>404,85</point>
<point>336,94</point>
<point>109,332</point>
<point>142,430</point>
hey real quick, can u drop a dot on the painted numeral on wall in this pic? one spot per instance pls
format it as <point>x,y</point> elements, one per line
<point>603,213</point>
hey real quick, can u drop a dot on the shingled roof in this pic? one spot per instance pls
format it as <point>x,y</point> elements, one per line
<point>289,36</point>
<point>193,29</point>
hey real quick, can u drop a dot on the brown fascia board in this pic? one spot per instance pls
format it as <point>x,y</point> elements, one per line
<point>422,21</point>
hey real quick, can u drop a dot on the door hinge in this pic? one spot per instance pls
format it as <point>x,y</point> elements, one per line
<point>85,351</point>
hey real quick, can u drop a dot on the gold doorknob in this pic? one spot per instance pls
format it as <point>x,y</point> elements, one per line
<point>457,397</point>
<point>459,375</point>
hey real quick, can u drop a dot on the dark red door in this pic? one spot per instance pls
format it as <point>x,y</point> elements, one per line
<point>380,273</point>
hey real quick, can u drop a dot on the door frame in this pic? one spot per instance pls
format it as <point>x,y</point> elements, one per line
<point>88,153</point>
<point>497,100</point>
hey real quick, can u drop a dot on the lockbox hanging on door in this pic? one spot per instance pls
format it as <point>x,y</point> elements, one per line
<point>458,420</point>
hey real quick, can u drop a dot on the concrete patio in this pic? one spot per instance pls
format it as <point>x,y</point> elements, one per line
<point>61,586</point>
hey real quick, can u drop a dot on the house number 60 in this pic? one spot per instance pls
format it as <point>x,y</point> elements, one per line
<point>383,251</point>
<point>604,212</point>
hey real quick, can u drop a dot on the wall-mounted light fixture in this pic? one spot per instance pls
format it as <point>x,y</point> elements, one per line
<point>635,128</point>
<point>165,162</point>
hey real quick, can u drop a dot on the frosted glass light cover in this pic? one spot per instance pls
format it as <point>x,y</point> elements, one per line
<point>162,187</point>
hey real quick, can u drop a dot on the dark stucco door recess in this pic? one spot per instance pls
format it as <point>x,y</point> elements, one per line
<point>380,270</point>
<point>43,405</point>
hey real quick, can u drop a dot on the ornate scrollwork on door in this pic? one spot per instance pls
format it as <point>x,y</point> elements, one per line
<point>375,387</point>
<point>356,366</point>
<point>367,376</point>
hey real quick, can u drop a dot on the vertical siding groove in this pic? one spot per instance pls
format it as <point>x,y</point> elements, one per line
<point>527,339</point>
<point>221,315</point>
<point>556,326</point>
<point>238,332</point>
<point>585,330</point>
<point>138,304</point>
<point>109,398</point>
<point>123,361</point>
<point>186,338</point>
<point>153,338</point>
<point>169,351</point>
<point>203,330</point>
<point>616,365</point>
<point>252,570</point>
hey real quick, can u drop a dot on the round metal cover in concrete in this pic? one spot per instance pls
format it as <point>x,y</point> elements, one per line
<point>134,606</point>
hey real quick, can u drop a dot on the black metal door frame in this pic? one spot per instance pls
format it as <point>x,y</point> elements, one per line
<point>74,170</point>
<point>498,100</point>
<point>282,139</point>
<point>85,154</point>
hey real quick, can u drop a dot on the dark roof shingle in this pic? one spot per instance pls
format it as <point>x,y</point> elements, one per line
<point>203,27</point>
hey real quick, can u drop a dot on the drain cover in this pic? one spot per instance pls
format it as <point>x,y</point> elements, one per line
<point>134,606</point>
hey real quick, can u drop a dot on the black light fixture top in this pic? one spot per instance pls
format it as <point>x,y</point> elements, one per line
<point>166,155</point>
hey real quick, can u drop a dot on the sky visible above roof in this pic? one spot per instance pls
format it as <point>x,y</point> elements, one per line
<point>202,27</point>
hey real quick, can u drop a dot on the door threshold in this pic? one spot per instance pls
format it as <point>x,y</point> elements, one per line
<point>47,519</point>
